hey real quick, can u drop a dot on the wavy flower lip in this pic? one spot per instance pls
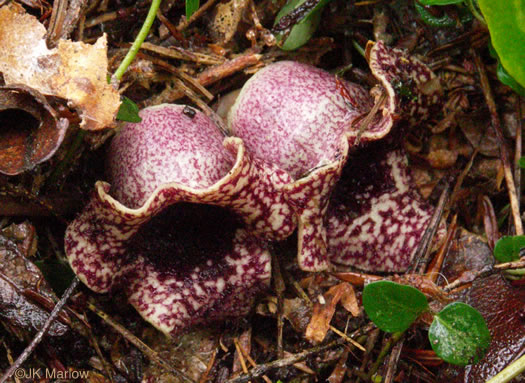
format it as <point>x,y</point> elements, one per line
<point>376,218</point>
<point>184,223</point>
<point>300,119</point>
<point>147,181</point>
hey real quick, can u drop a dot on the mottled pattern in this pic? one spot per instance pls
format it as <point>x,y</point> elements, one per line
<point>376,218</point>
<point>309,198</point>
<point>295,132</point>
<point>299,119</point>
<point>173,143</point>
<point>96,240</point>
<point>293,115</point>
<point>413,89</point>
<point>181,278</point>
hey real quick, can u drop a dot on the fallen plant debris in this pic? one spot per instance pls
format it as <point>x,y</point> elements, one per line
<point>31,129</point>
<point>25,297</point>
<point>75,71</point>
<point>194,223</point>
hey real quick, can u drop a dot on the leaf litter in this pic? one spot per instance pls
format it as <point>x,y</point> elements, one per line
<point>211,358</point>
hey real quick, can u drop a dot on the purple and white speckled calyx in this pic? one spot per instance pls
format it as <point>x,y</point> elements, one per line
<point>376,218</point>
<point>183,225</point>
<point>296,117</point>
<point>170,159</point>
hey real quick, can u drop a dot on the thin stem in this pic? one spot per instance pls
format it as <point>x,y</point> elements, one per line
<point>509,372</point>
<point>474,10</point>
<point>40,335</point>
<point>130,56</point>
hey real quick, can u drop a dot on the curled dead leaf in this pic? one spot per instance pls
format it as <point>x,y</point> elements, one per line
<point>74,71</point>
<point>30,130</point>
<point>323,313</point>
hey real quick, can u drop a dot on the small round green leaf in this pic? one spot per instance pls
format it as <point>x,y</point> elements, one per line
<point>507,249</point>
<point>459,334</point>
<point>521,162</point>
<point>391,306</point>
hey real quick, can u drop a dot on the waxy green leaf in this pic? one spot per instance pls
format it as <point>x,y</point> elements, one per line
<point>303,30</point>
<point>506,20</point>
<point>391,306</point>
<point>507,249</point>
<point>459,334</point>
<point>191,7</point>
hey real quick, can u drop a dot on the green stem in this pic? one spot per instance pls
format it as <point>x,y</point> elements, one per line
<point>358,48</point>
<point>509,372</point>
<point>474,10</point>
<point>130,56</point>
<point>518,272</point>
<point>384,352</point>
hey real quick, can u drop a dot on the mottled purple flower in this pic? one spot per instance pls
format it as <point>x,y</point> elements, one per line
<point>183,225</point>
<point>305,121</point>
<point>178,227</point>
<point>376,218</point>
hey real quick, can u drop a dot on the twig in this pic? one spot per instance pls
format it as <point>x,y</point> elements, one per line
<point>240,354</point>
<point>459,181</point>
<point>177,72</point>
<point>226,69</point>
<point>392,361</point>
<point>437,262</point>
<point>288,361</point>
<point>204,376</point>
<point>279,289</point>
<point>384,352</point>
<point>41,333</point>
<point>145,349</point>
<point>420,261</point>
<point>518,148</point>
<point>184,23</point>
<point>511,188</point>
<point>511,265</point>
<point>181,54</point>
<point>252,362</point>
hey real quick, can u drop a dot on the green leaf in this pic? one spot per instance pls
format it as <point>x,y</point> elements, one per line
<point>459,334</point>
<point>439,2</point>
<point>521,162</point>
<point>303,30</point>
<point>505,20</point>
<point>391,306</point>
<point>504,76</point>
<point>191,7</point>
<point>507,249</point>
<point>508,80</point>
<point>128,111</point>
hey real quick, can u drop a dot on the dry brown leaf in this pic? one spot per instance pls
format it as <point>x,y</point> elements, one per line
<point>74,71</point>
<point>227,19</point>
<point>323,313</point>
